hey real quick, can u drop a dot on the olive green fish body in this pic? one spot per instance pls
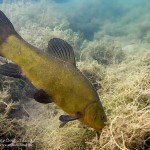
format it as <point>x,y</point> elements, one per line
<point>62,81</point>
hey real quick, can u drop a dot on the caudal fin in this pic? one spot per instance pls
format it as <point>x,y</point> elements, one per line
<point>6,27</point>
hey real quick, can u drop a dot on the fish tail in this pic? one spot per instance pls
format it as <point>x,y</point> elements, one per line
<point>6,28</point>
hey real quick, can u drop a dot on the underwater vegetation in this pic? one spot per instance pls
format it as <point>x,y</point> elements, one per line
<point>112,47</point>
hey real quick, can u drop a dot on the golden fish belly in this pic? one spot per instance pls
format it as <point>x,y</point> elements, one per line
<point>64,84</point>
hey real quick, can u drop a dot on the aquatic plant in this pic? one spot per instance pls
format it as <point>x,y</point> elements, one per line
<point>115,59</point>
<point>93,71</point>
<point>105,52</point>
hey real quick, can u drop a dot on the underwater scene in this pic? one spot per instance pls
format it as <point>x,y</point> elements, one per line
<point>75,74</point>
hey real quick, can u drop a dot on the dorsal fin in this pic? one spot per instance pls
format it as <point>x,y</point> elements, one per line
<point>61,49</point>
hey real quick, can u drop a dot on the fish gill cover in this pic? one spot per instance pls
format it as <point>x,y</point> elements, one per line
<point>111,40</point>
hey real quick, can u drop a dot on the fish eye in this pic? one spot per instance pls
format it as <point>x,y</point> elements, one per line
<point>103,117</point>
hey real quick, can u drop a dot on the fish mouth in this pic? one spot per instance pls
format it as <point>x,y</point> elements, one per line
<point>107,123</point>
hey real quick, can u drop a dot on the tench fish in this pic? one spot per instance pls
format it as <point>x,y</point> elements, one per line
<point>54,74</point>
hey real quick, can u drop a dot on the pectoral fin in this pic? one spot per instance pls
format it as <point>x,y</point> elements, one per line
<point>66,118</point>
<point>42,97</point>
<point>11,70</point>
